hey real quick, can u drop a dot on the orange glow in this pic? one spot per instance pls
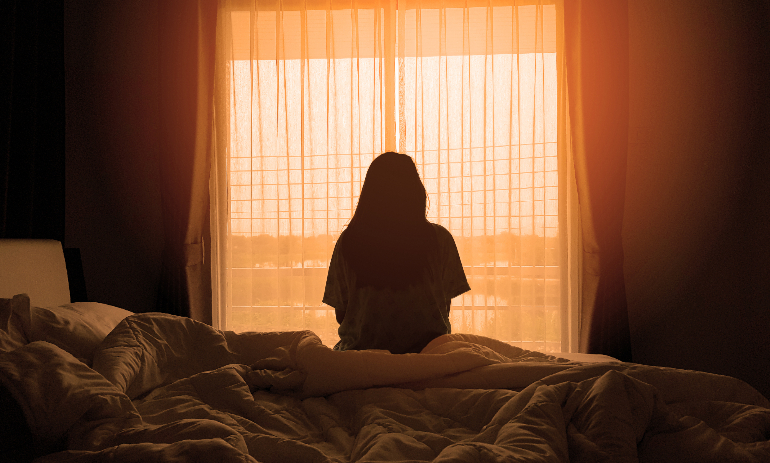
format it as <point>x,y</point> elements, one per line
<point>480,126</point>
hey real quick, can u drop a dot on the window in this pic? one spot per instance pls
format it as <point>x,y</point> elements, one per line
<point>313,95</point>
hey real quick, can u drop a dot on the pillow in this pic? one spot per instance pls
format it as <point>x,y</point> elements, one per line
<point>77,327</point>
<point>11,329</point>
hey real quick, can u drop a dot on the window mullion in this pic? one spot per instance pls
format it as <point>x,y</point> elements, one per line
<point>390,75</point>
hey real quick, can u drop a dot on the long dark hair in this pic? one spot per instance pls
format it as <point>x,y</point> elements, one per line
<point>389,239</point>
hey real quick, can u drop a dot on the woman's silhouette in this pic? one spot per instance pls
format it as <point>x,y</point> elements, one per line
<point>393,274</point>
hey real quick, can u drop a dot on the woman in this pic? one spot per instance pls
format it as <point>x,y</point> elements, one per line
<point>393,274</point>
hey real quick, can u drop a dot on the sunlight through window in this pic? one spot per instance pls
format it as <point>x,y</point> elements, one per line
<point>469,93</point>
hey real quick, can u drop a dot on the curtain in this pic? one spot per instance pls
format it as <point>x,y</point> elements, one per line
<point>187,41</point>
<point>596,53</point>
<point>308,92</point>
<point>32,119</point>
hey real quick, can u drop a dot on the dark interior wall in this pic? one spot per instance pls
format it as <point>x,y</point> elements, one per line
<point>113,204</point>
<point>31,119</point>
<point>697,216</point>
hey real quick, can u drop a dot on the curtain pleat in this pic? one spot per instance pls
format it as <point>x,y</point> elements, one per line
<point>187,45</point>
<point>596,52</point>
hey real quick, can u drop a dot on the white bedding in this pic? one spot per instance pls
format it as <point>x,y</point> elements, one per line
<point>169,389</point>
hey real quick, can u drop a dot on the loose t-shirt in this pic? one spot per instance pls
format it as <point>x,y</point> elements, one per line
<point>401,320</point>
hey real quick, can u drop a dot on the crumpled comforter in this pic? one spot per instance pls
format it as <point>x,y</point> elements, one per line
<point>169,389</point>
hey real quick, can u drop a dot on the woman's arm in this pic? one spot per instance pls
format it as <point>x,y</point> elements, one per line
<point>336,291</point>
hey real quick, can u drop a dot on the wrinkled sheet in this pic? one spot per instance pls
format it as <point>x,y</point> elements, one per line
<point>170,389</point>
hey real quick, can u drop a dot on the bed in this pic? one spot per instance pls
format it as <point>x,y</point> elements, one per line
<point>89,382</point>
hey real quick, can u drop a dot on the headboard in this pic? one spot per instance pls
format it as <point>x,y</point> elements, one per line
<point>35,267</point>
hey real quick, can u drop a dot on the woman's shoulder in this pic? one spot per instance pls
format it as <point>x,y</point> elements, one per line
<point>442,233</point>
<point>440,228</point>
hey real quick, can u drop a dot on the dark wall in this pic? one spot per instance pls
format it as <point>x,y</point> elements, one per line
<point>31,119</point>
<point>697,216</point>
<point>113,204</point>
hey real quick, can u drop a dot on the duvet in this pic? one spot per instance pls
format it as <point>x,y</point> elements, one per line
<point>169,389</point>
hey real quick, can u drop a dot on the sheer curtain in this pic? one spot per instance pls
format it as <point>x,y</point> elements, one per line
<point>309,92</point>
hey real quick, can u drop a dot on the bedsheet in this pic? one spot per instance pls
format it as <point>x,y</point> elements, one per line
<point>170,389</point>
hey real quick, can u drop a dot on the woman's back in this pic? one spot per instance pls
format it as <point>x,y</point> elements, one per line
<point>402,319</point>
<point>388,277</point>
